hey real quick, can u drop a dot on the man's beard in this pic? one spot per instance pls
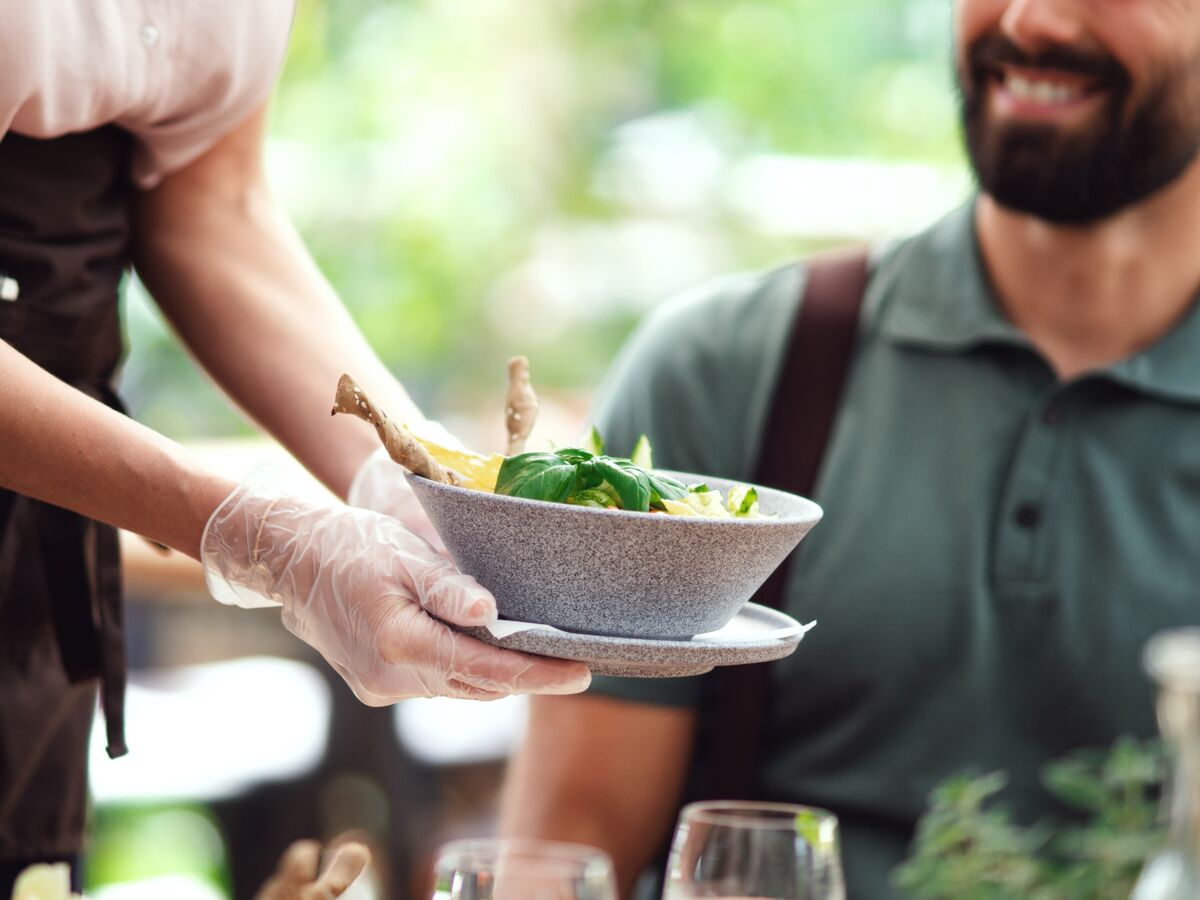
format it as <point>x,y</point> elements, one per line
<point>1076,176</point>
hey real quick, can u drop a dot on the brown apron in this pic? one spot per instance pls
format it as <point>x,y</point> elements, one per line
<point>64,241</point>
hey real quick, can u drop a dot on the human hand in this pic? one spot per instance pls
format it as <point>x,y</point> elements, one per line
<point>364,590</point>
<point>298,878</point>
<point>380,485</point>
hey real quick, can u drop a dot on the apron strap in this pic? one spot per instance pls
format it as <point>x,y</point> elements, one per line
<point>83,579</point>
<point>807,397</point>
<point>112,638</point>
<point>81,562</point>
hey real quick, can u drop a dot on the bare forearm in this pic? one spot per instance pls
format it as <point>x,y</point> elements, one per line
<point>601,772</point>
<point>65,448</point>
<point>236,282</point>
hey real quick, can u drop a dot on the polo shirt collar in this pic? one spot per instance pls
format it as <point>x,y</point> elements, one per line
<point>1169,368</point>
<point>933,292</point>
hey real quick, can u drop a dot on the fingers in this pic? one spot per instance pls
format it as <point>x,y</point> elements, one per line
<point>296,868</point>
<point>299,862</point>
<point>452,656</point>
<point>454,597</point>
<point>434,582</point>
<point>345,864</point>
<point>413,517</point>
<point>380,485</point>
<point>388,647</point>
<point>296,876</point>
<point>507,671</point>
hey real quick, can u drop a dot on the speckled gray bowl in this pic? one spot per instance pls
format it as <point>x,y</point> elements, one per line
<point>609,572</point>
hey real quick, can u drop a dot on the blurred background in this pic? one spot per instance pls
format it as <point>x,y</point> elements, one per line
<point>482,179</point>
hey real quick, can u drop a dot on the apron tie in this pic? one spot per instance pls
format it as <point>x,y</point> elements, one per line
<point>86,607</point>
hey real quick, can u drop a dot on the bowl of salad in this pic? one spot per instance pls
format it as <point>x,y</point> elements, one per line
<point>598,544</point>
<point>602,545</point>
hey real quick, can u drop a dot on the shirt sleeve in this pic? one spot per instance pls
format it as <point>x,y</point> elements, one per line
<point>219,98</point>
<point>178,76</point>
<point>696,378</point>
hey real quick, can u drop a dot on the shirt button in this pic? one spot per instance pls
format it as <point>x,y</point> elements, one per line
<point>1052,413</point>
<point>1028,515</point>
<point>149,34</point>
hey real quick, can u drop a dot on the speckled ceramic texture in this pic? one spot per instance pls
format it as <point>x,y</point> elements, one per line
<point>644,658</point>
<point>610,572</point>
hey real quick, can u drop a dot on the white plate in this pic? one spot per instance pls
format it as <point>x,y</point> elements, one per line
<point>756,634</point>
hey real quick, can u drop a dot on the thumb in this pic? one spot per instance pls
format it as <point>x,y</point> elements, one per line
<point>454,597</point>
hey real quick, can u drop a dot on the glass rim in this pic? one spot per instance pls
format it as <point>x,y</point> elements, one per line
<point>558,851</point>
<point>752,813</point>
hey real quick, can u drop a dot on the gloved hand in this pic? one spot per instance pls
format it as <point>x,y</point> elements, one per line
<point>359,587</point>
<point>380,485</point>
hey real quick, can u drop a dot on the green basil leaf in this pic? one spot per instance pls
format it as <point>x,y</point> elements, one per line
<point>575,475</point>
<point>631,484</point>
<point>587,475</point>
<point>593,497</point>
<point>573,455</point>
<point>536,476</point>
<point>664,487</point>
<point>667,487</point>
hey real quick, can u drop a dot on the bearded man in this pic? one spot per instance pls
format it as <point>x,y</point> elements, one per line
<point>1011,483</point>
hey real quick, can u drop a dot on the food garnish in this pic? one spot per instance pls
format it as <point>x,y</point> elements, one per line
<point>520,406</point>
<point>579,476</point>
<point>399,442</point>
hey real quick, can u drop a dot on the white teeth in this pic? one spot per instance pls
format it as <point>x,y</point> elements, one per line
<point>1041,91</point>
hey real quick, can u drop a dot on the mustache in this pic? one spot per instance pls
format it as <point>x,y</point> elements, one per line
<point>992,51</point>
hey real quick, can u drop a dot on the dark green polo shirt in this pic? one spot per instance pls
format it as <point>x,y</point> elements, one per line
<point>996,549</point>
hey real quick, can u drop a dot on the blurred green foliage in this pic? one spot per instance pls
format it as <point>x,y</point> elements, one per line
<point>452,167</point>
<point>968,848</point>
<point>135,843</point>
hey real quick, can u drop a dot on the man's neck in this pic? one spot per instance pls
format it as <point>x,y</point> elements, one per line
<point>1089,297</point>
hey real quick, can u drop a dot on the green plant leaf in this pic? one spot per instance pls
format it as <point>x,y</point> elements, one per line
<point>742,500</point>
<point>631,484</point>
<point>593,497</point>
<point>536,476</point>
<point>642,455</point>
<point>574,455</point>
<point>592,442</point>
<point>664,487</point>
<point>968,848</point>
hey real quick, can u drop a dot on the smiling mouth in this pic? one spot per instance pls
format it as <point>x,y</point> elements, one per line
<point>1041,92</point>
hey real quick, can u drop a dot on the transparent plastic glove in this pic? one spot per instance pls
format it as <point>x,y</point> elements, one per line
<point>300,875</point>
<point>380,485</point>
<point>360,588</point>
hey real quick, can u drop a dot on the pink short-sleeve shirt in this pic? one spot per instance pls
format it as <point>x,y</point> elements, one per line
<point>177,74</point>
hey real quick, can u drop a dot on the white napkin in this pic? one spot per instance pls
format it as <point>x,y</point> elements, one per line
<point>738,629</point>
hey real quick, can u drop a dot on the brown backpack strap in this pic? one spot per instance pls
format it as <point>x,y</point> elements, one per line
<point>800,420</point>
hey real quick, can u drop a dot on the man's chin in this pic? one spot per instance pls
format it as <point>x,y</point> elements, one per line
<point>1035,169</point>
<point>1047,211</point>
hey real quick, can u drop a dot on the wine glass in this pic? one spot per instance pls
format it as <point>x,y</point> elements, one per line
<point>737,850</point>
<point>495,869</point>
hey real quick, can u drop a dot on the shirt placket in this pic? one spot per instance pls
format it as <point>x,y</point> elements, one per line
<point>1021,556</point>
